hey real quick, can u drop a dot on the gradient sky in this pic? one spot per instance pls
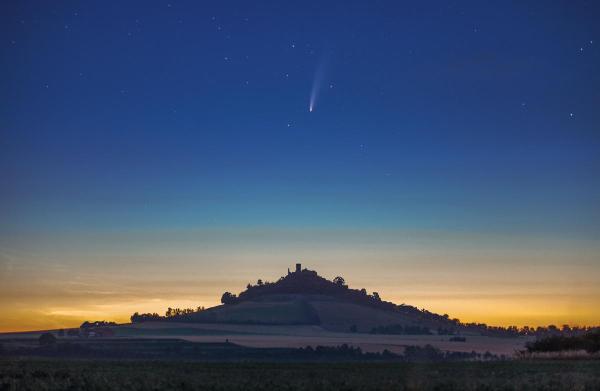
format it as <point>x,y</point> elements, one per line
<point>156,154</point>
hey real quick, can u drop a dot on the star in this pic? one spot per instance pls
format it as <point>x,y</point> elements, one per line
<point>571,115</point>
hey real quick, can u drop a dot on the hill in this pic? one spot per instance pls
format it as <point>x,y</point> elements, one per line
<point>303,297</point>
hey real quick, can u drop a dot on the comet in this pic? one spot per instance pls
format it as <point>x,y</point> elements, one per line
<point>316,86</point>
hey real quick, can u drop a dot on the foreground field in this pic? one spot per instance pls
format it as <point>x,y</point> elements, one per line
<point>140,375</point>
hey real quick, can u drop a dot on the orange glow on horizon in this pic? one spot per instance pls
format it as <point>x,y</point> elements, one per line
<point>499,281</point>
<point>491,311</point>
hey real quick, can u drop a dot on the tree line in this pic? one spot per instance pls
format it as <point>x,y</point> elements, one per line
<point>590,342</point>
<point>397,329</point>
<point>171,313</point>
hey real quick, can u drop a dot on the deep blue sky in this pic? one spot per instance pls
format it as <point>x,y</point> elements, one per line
<point>464,115</point>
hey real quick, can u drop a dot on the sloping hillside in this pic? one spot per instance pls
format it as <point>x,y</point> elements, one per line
<point>338,315</point>
<point>291,311</point>
<point>304,297</point>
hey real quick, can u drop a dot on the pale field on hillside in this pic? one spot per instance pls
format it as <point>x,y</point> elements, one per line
<point>302,336</point>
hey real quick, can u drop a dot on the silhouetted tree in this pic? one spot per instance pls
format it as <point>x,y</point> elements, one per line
<point>228,298</point>
<point>339,281</point>
<point>259,282</point>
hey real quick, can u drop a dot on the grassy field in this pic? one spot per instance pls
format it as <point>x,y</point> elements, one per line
<point>156,375</point>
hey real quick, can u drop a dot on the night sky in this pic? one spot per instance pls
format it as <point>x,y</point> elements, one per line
<point>156,154</point>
